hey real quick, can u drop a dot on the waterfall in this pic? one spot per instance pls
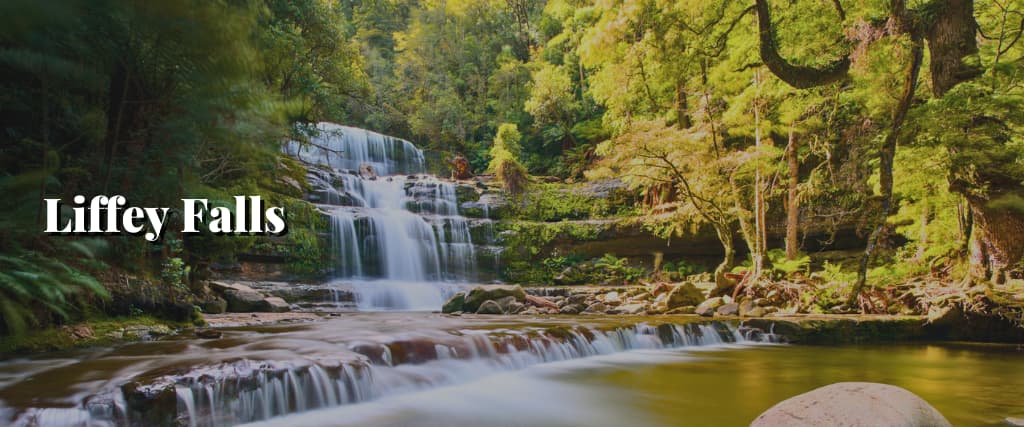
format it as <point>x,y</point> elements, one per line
<point>247,391</point>
<point>397,238</point>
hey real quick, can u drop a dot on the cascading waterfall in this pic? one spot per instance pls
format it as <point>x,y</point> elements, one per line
<point>397,236</point>
<point>247,391</point>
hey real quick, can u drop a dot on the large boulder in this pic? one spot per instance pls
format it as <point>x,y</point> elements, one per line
<point>274,305</point>
<point>479,294</point>
<point>490,307</point>
<point>454,303</point>
<point>731,309</point>
<point>707,308</point>
<point>853,404</point>
<point>243,299</point>
<point>684,295</point>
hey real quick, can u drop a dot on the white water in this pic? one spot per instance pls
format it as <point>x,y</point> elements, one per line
<point>397,236</point>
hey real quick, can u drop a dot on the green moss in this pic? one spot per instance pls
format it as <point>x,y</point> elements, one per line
<point>103,332</point>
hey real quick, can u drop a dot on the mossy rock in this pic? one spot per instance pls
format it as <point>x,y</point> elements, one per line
<point>684,295</point>
<point>455,303</point>
<point>479,294</point>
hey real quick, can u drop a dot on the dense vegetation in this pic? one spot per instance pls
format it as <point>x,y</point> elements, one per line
<point>724,116</point>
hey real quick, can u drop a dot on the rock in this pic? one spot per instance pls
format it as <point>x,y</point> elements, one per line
<point>530,311</point>
<point>597,307</point>
<point>659,289</point>
<point>506,303</point>
<point>612,298</point>
<point>708,307</point>
<point>275,305</point>
<point>1014,421</point>
<point>853,404</point>
<point>730,309</point>
<point>516,307</point>
<point>571,309</point>
<point>208,334</point>
<point>77,332</point>
<point>489,307</point>
<point>479,294</point>
<point>631,308</point>
<point>577,299</point>
<point>540,302</point>
<point>454,303</point>
<point>684,295</point>
<point>745,307</point>
<point>243,299</point>
<point>754,312</point>
<point>215,305</point>
<point>683,310</point>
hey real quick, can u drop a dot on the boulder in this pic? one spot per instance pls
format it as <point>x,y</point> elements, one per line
<point>571,309</point>
<point>275,305</point>
<point>597,307</point>
<point>745,307</point>
<point>708,307</point>
<point>577,299</point>
<point>506,303</point>
<point>754,312</point>
<point>730,309</point>
<point>612,298</point>
<point>454,303</point>
<point>853,404</point>
<point>540,302</point>
<point>215,305</point>
<point>479,294</point>
<point>684,295</point>
<point>659,289</point>
<point>632,309</point>
<point>243,299</point>
<point>489,307</point>
<point>516,307</point>
<point>208,333</point>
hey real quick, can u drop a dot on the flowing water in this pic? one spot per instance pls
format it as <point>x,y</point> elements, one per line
<point>401,247</point>
<point>398,239</point>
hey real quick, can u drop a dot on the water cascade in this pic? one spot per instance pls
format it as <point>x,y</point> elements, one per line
<point>397,236</point>
<point>247,386</point>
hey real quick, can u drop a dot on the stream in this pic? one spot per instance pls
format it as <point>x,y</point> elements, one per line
<point>401,247</point>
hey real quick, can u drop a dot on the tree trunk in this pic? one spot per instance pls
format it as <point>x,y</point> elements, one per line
<point>922,237</point>
<point>887,154</point>
<point>728,260</point>
<point>996,241</point>
<point>682,108</point>
<point>792,200</point>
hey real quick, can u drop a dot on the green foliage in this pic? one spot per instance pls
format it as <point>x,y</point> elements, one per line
<point>173,272</point>
<point>777,258</point>
<point>619,267</point>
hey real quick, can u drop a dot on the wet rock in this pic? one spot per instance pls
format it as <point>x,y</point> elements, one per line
<point>690,309</point>
<point>516,307</point>
<point>853,404</point>
<point>489,307</point>
<point>215,305</point>
<point>684,295</point>
<point>540,302</point>
<point>241,298</point>
<point>577,299</point>
<point>454,303</point>
<point>597,307</point>
<point>208,333</point>
<point>612,298</point>
<point>479,294</point>
<point>745,307</point>
<point>506,303</point>
<point>571,309</point>
<point>274,305</point>
<point>632,308</point>
<point>708,307</point>
<point>730,309</point>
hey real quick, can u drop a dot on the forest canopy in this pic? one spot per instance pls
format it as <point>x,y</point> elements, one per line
<point>719,114</point>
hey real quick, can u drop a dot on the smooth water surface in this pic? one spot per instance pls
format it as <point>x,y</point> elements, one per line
<point>972,385</point>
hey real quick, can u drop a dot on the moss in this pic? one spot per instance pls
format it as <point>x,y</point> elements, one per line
<point>104,332</point>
